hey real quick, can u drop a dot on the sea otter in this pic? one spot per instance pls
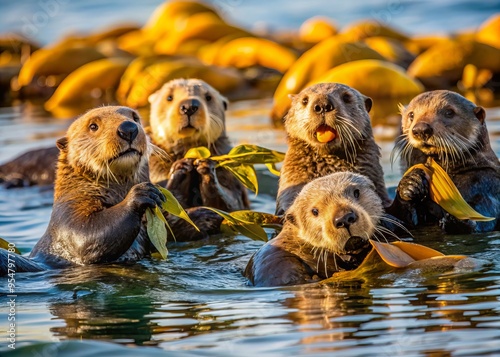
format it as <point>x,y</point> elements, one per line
<point>101,192</point>
<point>329,130</point>
<point>447,127</point>
<point>187,113</point>
<point>326,230</point>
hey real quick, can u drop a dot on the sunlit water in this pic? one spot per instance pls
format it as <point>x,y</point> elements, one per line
<point>197,301</point>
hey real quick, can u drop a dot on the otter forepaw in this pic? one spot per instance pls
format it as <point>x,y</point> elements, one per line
<point>206,167</point>
<point>144,195</point>
<point>181,166</point>
<point>414,186</point>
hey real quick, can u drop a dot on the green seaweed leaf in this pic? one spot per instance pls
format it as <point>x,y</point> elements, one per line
<point>172,206</point>
<point>156,230</point>
<point>250,229</point>
<point>251,154</point>
<point>247,176</point>
<point>239,160</point>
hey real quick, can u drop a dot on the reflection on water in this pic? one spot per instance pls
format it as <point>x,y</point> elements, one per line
<point>197,300</point>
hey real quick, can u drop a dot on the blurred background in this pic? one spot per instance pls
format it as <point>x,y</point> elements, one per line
<point>414,17</point>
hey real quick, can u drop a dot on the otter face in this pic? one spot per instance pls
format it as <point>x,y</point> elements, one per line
<point>335,109</point>
<point>332,209</point>
<point>108,141</point>
<point>443,124</point>
<point>187,109</point>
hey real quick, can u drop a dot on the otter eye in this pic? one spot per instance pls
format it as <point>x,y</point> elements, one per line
<point>356,193</point>
<point>93,127</point>
<point>449,113</point>
<point>170,98</point>
<point>346,98</point>
<point>315,212</point>
<point>208,98</point>
<point>410,116</point>
<point>305,100</point>
<point>135,117</point>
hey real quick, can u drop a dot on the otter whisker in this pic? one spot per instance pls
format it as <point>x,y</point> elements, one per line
<point>396,223</point>
<point>325,259</point>
<point>162,154</point>
<point>348,142</point>
<point>350,124</point>
<point>386,232</point>
<point>399,146</point>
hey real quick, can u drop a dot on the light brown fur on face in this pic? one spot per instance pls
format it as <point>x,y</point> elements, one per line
<point>171,123</point>
<point>442,124</point>
<point>323,202</point>
<point>93,144</point>
<point>340,107</point>
<point>326,230</point>
<point>353,148</point>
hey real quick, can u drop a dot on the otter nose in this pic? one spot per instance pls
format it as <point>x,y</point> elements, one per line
<point>422,131</point>
<point>128,131</point>
<point>189,107</point>
<point>344,220</point>
<point>324,106</point>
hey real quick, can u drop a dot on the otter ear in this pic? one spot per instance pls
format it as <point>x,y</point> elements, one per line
<point>225,102</point>
<point>292,96</point>
<point>62,143</point>
<point>480,114</point>
<point>290,218</point>
<point>368,104</point>
<point>152,97</point>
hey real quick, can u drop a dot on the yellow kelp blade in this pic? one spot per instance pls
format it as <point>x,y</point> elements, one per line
<point>8,246</point>
<point>444,192</point>
<point>392,255</point>
<point>246,175</point>
<point>384,257</point>
<point>156,231</point>
<point>251,154</point>
<point>372,266</point>
<point>263,219</point>
<point>198,153</point>
<point>249,229</point>
<point>417,251</point>
<point>272,169</point>
<point>172,206</point>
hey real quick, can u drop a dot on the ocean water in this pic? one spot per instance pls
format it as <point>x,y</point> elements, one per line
<point>197,303</point>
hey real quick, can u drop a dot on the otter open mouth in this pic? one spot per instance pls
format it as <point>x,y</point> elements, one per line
<point>355,245</point>
<point>325,133</point>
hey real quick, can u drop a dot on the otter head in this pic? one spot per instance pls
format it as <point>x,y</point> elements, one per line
<point>330,115</point>
<point>106,142</point>
<point>331,210</point>
<point>442,124</point>
<point>189,110</point>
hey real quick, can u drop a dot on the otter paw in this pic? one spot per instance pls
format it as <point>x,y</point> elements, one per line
<point>205,167</point>
<point>144,195</point>
<point>414,186</point>
<point>181,166</point>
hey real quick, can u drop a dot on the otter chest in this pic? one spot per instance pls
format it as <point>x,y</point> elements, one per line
<point>320,166</point>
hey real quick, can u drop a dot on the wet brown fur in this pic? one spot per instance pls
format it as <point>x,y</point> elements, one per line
<point>311,246</point>
<point>193,182</point>
<point>353,150</point>
<point>458,141</point>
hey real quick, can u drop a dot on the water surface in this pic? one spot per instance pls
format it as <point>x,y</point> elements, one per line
<point>197,301</point>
